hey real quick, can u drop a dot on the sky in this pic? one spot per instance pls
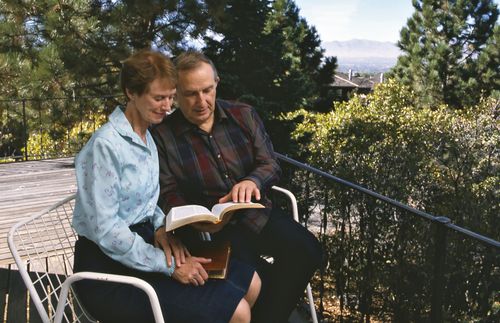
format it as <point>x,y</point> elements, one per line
<point>379,20</point>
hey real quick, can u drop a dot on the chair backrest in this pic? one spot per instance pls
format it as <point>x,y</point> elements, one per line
<point>43,248</point>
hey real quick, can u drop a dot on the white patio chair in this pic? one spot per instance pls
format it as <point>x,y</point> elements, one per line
<point>43,247</point>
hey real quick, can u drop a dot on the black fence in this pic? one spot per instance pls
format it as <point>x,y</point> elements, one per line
<point>385,260</point>
<point>33,128</point>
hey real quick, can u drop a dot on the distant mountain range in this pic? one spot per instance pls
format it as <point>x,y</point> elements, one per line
<point>364,56</point>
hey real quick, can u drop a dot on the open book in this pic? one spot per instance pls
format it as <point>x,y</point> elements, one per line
<point>186,214</point>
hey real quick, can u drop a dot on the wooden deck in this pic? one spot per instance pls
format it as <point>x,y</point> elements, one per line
<point>26,188</point>
<point>29,187</point>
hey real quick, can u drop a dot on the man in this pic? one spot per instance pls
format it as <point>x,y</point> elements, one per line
<point>213,151</point>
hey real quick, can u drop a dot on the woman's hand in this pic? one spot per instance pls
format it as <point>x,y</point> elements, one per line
<point>171,246</point>
<point>192,271</point>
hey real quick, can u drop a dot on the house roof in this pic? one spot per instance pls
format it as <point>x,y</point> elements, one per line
<point>342,80</point>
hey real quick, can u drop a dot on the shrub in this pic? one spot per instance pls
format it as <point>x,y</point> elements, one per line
<point>439,160</point>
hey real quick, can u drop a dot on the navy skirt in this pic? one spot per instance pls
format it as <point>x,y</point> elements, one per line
<point>108,302</point>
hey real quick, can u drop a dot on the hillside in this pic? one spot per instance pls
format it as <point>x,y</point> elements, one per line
<point>365,56</point>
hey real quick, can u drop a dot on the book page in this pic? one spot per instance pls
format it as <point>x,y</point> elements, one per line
<point>181,212</point>
<point>221,208</point>
<point>182,215</point>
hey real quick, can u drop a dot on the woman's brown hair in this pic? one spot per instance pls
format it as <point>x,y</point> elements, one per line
<point>142,68</point>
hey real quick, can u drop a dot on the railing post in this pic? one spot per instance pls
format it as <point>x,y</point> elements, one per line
<point>68,128</point>
<point>438,283</point>
<point>40,129</point>
<point>25,126</point>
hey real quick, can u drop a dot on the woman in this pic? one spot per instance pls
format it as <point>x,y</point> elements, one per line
<point>120,227</point>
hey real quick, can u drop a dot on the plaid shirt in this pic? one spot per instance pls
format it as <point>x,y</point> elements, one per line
<point>197,167</point>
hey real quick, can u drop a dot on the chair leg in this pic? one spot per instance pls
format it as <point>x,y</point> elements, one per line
<point>314,317</point>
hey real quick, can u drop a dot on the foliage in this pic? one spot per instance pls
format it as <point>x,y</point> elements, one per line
<point>451,48</point>
<point>42,145</point>
<point>51,49</point>
<point>12,135</point>
<point>439,160</point>
<point>70,42</point>
<point>52,127</point>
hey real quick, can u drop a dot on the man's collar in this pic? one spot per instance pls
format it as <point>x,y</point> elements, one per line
<point>220,111</point>
<point>182,125</point>
<point>179,123</point>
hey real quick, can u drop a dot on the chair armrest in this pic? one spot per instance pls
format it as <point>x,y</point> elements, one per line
<point>137,282</point>
<point>292,199</point>
<point>295,212</point>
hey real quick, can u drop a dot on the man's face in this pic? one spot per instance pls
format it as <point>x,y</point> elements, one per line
<point>196,90</point>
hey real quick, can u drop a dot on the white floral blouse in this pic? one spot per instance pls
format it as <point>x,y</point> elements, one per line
<point>117,179</point>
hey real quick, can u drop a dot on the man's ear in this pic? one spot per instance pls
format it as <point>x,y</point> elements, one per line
<point>217,79</point>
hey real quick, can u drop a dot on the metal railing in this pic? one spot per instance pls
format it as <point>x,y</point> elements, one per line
<point>441,227</point>
<point>38,128</point>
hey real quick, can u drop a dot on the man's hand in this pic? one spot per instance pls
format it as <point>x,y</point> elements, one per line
<point>171,246</point>
<point>242,192</point>
<point>192,271</point>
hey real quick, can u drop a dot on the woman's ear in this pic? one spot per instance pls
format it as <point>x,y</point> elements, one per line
<point>130,95</point>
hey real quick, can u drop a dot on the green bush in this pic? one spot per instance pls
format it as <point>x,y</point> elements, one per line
<point>43,145</point>
<point>442,161</point>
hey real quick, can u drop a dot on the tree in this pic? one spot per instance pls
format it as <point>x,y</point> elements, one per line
<point>268,56</point>
<point>450,48</point>
<point>74,48</point>
<point>79,45</point>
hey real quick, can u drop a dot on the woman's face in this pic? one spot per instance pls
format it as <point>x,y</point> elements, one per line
<point>156,102</point>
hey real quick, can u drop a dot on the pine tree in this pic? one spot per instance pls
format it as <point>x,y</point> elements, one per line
<point>81,44</point>
<point>236,47</point>
<point>268,55</point>
<point>450,51</point>
<point>52,48</point>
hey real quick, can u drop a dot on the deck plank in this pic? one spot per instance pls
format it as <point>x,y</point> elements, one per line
<point>30,187</point>
<point>4,288</point>
<point>33,312</point>
<point>16,309</point>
